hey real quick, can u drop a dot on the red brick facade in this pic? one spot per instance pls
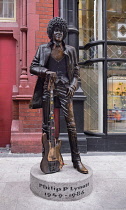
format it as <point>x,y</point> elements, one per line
<point>27,123</point>
<point>45,11</point>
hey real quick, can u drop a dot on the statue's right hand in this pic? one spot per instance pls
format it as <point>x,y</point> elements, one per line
<point>51,75</point>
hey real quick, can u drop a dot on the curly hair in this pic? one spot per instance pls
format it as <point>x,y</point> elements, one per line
<point>57,22</point>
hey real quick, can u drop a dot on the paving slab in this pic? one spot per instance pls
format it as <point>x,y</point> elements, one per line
<point>109,183</point>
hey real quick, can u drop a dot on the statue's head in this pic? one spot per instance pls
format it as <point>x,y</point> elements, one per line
<point>55,24</point>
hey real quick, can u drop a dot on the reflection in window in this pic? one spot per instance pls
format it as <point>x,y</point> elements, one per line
<point>86,27</point>
<point>116,6</point>
<point>117,103</point>
<point>90,26</point>
<point>116,16</point>
<point>88,73</point>
<point>7,10</point>
<point>116,30</point>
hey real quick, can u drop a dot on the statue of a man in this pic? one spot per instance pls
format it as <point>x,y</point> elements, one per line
<point>58,61</point>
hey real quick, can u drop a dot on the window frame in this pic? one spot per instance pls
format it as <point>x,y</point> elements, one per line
<point>10,19</point>
<point>105,59</point>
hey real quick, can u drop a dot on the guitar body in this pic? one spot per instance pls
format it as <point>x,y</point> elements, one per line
<point>52,160</point>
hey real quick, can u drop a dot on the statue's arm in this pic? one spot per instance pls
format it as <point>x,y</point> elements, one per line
<point>35,67</point>
<point>76,71</point>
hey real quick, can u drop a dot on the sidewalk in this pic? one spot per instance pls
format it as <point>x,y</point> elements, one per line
<point>109,183</point>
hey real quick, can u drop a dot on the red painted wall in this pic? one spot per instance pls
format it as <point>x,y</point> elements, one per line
<point>7,80</point>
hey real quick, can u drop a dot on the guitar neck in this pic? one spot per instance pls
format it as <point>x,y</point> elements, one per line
<point>52,121</point>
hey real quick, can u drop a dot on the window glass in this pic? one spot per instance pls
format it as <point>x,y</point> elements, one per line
<point>90,29</point>
<point>7,10</point>
<point>89,83</point>
<point>116,30</point>
<point>117,100</point>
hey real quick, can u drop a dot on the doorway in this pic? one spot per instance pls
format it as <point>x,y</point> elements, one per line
<point>7,80</point>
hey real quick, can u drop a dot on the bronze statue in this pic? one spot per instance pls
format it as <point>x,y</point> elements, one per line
<point>57,61</point>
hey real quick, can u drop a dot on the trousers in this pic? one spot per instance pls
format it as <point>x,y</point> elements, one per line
<point>66,104</point>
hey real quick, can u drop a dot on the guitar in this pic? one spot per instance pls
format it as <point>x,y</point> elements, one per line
<point>52,160</point>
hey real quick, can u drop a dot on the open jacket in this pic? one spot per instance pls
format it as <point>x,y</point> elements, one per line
<point>38,67</point>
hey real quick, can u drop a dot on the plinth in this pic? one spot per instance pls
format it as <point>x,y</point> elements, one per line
<point>66,185</point>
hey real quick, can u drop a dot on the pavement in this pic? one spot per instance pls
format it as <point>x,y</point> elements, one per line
<point>109,183</point>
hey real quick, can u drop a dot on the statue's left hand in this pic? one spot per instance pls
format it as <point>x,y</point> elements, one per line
<point>72,88</point>
<point>70,91</point>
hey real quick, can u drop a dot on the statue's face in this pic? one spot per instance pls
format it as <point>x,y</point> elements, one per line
<point>58,34</point>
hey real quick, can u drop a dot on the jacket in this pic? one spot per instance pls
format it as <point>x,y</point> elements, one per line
<point>38,67</point>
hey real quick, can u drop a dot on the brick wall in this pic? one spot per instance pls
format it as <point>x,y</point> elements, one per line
<point>31,119</point>
<point>27,137</point>
<point>44,8</point>
<point>15,110</point>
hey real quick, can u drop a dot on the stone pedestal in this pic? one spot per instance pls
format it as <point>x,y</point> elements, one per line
<point>66,185</point>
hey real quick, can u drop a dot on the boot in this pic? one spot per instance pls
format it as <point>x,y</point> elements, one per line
<point>77,164</point>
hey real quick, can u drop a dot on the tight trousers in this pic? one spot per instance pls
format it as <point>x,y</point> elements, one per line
<point>66,104</point>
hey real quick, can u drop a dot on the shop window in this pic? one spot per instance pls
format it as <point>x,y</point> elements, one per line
<point>7,10</point>
<point>116,73</point>
<point>116,28</point>
<point>90,29</point>
<point>117,103</point>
